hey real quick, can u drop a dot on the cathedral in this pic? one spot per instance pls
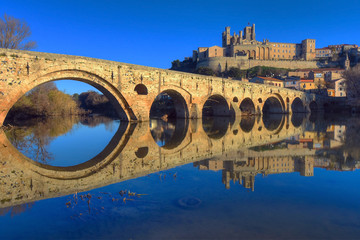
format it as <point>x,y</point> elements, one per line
<point>245,46</point>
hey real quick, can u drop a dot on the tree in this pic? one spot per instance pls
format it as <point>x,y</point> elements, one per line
<point>235,73</point>
<point>352,82</point>
<point>205,71</point>
<point>175,64</point>
<point>14,33</point>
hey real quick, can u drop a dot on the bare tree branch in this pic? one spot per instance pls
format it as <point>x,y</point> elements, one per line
<point>13,34</point>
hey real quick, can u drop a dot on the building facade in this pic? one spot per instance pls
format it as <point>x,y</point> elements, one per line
<point>245,46</point>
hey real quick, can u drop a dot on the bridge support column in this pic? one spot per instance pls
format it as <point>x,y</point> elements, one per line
<point>235,111</point>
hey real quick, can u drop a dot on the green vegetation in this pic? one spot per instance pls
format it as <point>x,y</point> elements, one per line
<point>46,101</point>
<point>94,102</point>
<point>34,135</point>
<point>205,71</point>
<point>236,73</point>
<point>233,72</point>
<point>185,66</point>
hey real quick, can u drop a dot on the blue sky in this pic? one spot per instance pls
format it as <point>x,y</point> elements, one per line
<point>155,32</point>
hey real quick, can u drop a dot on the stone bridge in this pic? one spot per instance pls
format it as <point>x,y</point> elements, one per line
<point>132,89</point>
<point>133,152</point>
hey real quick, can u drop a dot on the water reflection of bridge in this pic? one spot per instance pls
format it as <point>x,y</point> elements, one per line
<point>133,152</point>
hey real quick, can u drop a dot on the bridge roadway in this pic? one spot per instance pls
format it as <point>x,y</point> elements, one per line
<point>133,152</point>
<point>133,88</point>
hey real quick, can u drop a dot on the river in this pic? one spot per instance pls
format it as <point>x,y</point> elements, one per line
<point>272,177</point>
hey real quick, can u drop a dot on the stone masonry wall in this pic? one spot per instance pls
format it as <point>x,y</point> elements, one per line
<point>217,63</point>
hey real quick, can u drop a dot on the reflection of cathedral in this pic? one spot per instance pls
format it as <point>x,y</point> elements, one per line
<point>283,157</point>
<point>245,170</point>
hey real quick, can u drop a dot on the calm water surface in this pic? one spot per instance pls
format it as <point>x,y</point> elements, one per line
<point>276,177</point>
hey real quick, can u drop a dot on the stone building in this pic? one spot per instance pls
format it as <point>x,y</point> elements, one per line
<point>268,81</point>
<point>245,46</point>
<point>325,52</point>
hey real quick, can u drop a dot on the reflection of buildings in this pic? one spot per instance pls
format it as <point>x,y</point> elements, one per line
<point>245,170</point>
<point>297,154</point>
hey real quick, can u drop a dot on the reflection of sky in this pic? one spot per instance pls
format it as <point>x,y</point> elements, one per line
<point>282,206</point>
<point>80,145</point>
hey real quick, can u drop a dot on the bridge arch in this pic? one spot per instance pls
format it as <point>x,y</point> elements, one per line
<point>273,105</point>
<point>247,107</point>
<point>216,105</point>
<point>179,103</point>
<point>297,106</point>
<point>112,93</point>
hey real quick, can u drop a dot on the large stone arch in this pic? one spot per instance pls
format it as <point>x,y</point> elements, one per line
<point>273,104</point>
<point>216,105</point>
<point>247,107</point>
<point>297,106</point>
<point>112,93</point>
<point>180,98</point>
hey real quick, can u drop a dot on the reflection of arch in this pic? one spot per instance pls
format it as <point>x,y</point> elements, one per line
<point>216,105</point>
<point>247,123</point>
<point>180,106</point>
<point>272,105</point>
<point>112,93</point>
<point>273,122</point>
<point>297,106</point>
<point>313,106</point>
<point>297,119</point>
<point>103,159</point>
<point>215,128</point>
<point>141,89</point>
<point>247,107</point>
<point>179,134</point>
<point>142,152</point>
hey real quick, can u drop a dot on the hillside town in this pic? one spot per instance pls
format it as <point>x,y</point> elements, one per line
<point>305,67</point>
